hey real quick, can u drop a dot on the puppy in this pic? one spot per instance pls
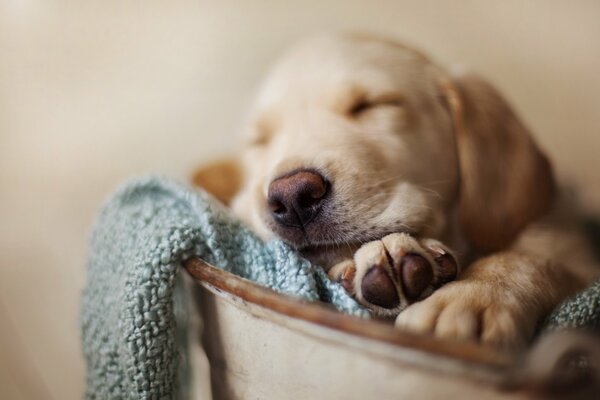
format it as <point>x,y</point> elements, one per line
<point>391,173</point>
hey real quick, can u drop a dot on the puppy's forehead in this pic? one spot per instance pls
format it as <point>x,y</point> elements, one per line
<point>336,64</point>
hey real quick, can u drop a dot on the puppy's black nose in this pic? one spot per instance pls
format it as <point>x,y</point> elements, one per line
<point>296,199</point>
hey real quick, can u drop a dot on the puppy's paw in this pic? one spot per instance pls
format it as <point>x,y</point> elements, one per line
<point>465,310</point>
<point>389,274</point>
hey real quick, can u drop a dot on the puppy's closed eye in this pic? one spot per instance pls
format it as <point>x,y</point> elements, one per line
<point>365,105</point>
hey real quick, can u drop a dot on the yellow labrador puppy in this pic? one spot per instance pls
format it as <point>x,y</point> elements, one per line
<point>392,173</point>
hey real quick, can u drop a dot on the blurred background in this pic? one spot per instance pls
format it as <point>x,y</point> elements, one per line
<point>94,92</point>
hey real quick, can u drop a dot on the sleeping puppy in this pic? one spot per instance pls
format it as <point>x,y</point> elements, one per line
<point>391,173</point>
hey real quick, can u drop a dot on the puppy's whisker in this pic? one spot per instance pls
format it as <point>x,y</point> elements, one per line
<point>399,191</point>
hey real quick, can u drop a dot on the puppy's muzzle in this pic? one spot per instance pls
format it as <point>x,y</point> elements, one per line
<point>296,199</point>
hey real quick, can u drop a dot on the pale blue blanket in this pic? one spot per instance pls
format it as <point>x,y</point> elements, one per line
<point>133,329</point>
<point>128,318</point>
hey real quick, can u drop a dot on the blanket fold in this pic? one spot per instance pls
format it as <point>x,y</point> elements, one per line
<point>133,327</point>
<point>128,319</point>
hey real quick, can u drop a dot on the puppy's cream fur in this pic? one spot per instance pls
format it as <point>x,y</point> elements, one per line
<point>410,148</point>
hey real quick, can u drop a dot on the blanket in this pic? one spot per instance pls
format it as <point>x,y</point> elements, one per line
<point>129,316</point>
<point>132,316</point>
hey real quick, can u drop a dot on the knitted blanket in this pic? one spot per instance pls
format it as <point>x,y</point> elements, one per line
<point>128,314</point>
<point>132,322</point>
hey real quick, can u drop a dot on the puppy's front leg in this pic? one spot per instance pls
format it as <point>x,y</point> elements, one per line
<point>498,300</point>
<point>389,274</point>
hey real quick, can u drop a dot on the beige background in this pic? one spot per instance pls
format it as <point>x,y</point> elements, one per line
<point>94,92</point>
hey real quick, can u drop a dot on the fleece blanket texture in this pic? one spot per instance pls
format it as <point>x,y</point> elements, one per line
<point>133,318</point>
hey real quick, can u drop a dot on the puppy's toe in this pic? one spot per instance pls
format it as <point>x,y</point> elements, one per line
<point>419,317</point>
<point>412,266</point>
<point>442,316</point>
<point>415,274</point>
<point>447,267</point>
<point>344,273</point>
<point>373,282</point>
<point>466,311</point>
<point>501,328</point>
<point>420,266</point>
<point>378,288</point>
<point>458,322</point>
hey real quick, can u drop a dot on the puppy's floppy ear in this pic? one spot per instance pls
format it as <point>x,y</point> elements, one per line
<point>506,181</point>
<point>222,179</point>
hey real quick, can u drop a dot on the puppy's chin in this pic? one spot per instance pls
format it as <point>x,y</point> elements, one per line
<point>317,243</point>
<point>319,232</point>
<point>294,237</point>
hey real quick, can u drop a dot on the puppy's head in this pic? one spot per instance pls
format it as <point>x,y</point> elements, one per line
<point>352,138</point>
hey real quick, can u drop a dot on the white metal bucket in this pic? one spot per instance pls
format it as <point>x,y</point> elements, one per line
<point>262,345</point>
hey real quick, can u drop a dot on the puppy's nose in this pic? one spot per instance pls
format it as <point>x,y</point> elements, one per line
<point>296,199</point>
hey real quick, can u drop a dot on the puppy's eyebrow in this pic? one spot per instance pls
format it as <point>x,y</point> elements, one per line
<point>346,97</point>
<point>264,128</point>
<point>350,97</point>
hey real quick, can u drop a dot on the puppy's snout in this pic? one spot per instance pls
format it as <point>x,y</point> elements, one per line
<point>296,199</point>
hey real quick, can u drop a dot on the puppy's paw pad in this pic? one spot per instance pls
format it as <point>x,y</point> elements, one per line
<point>378,288</point>
<point>415,274</point>
<point>447,266</point>
<point>398,270</point>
